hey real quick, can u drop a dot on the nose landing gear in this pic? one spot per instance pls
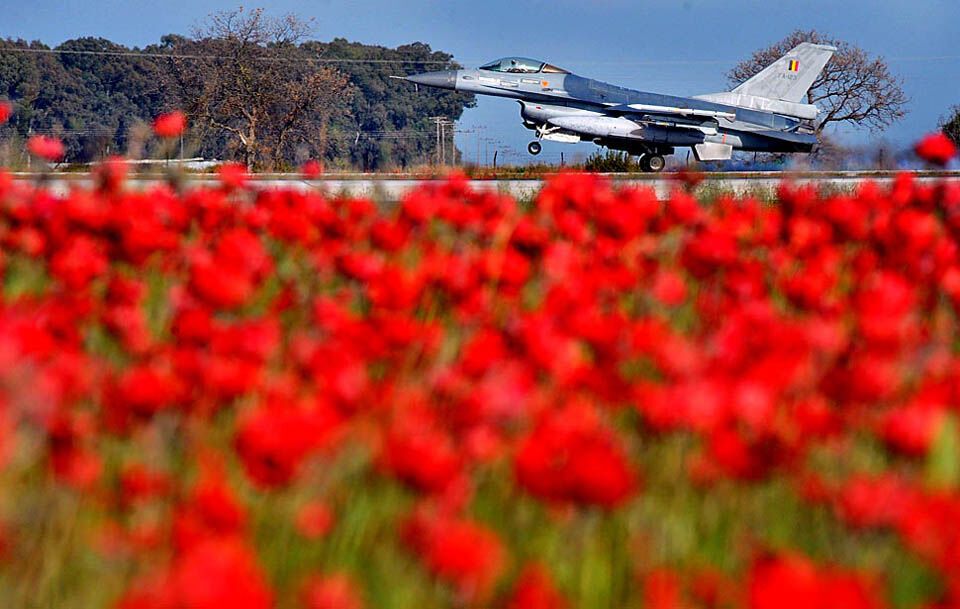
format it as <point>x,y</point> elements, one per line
<point>534,148</point>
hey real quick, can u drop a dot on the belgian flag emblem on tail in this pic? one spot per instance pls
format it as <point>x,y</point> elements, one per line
<point>793,66</point>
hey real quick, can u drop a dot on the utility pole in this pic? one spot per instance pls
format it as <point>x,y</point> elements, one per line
<point>453,142</point>
<point>440,122</point>
<point>443,141</point>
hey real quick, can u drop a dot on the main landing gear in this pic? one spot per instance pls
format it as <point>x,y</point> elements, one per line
<point>652,163</point>
<point>534,148</point>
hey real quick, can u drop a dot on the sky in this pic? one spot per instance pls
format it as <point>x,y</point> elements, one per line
<point>681,47</point>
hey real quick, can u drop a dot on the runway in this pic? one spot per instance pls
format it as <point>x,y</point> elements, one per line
<point>392,187</point>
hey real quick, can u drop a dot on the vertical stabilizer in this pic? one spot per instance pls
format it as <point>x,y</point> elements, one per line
<point>790,77</point>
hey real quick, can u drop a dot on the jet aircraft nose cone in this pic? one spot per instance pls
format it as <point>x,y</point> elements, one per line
<point>446,79</point>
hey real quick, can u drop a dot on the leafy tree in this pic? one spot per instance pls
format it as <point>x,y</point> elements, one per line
<point>951,125</point>
<point>80,93</point>
<point>854,87</point>
<point>252,85</point>
<point>97,95</point>
<point>389,120</point>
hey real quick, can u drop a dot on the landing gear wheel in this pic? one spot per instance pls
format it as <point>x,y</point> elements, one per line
<point>534,148</point>
<point>654,163</point>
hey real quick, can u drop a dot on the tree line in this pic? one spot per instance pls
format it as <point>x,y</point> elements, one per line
<point>256,89</point>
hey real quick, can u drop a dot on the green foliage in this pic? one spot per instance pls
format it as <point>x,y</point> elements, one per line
<point>90,101</point>
<point>943,461</point>
<point>612,161</point>
<point>951,125</point>
<point>95,102</point>
<point>391,117</point>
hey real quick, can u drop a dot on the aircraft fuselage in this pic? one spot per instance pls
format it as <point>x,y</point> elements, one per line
<point>565,107</point>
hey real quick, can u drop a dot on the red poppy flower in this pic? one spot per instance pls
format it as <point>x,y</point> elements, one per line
<point>661,590</point>
<point>788,582</point>
<point>110,174</point>
<point>936,148</point>
<point>569,456</point>
<point>274,440</point>
<point>220,573</point>
<point>80,261</point>
<point>6,111</point>
<point>334,591</point>
<point>170,125</point>
<point>314,520</point>
<point>47,148</point>
<point>421,455</point>
<point>312,169</point>
<point>463,553</point>
<point>534,589</point>
<point>233,176</point>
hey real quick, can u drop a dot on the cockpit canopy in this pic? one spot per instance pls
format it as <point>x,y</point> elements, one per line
<point>522,65</point>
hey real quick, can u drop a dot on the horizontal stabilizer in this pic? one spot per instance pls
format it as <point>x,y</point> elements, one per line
<point>790,77</point>
<point>763,104</point>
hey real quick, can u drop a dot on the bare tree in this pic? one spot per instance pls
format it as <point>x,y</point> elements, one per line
<point>244,77</point>
<point>854,87</point>
<point>950,125</point>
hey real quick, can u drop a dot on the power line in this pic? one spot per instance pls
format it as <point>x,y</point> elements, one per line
<point>350,60</point>
<point>147,55</point>
<point>406,134</point>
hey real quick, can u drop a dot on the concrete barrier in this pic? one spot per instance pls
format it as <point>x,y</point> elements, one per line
<point>393,188</point>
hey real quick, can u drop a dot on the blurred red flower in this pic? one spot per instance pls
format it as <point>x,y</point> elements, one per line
<point>332,591</point>
<point>6,111</point>
<point>312,169</point>
<point>47,148</point>
<point>689,178</point>
<point>170,124</point>
<point>79,261</point>
<point>570,456</point>
<point>215,573</point>
<point>795,582</point>
<point>783,582</point>
<point>233,176</point>
<point>463,553</point>
<point>382,357</point>
<point>661,590</point>
<point>110,174</point>
<point>534,589</point>
<point>273,440</point>
<point>669,288</point>
<point>421,455</point>
<point>936,148</point>
<point>220,573</point>
<point>314,520</point>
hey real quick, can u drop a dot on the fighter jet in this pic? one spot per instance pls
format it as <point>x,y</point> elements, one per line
<point>767,113</point>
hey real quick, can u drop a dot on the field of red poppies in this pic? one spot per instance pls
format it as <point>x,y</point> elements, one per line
<point>253,399</point>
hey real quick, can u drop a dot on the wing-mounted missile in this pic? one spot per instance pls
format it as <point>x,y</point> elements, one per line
<point>674,111</point>
<point>620,128</point>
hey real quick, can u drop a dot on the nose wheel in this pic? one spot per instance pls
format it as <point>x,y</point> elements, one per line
<point>534,148</point>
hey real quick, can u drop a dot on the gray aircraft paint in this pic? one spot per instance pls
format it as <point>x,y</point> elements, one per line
<point>764,113</point>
